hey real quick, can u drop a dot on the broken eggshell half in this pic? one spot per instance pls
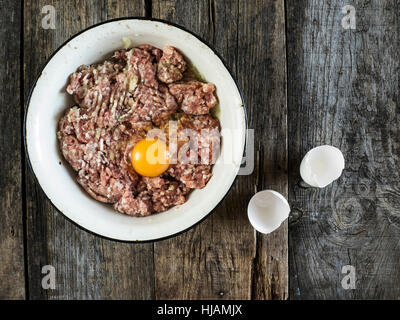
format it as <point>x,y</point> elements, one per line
<point>321,166</point>
<point>267,210</point>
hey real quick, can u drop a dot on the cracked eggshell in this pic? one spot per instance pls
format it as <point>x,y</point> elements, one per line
<point>321,166</point>
<point>267,210</point>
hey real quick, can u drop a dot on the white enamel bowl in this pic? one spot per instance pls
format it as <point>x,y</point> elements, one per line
<point>48,100</point>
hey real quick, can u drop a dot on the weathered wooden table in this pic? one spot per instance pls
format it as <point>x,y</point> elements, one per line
<point>308,79</point>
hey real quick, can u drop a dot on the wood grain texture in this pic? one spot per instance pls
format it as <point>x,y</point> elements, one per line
<point>87,266</point>
<point>212,261</point>
<point>343,89</point>
<point>216,260</point>
<point>262,58</point>
<point>12,284</point>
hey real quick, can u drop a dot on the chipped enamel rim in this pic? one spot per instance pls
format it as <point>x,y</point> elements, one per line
<point>112,225</point>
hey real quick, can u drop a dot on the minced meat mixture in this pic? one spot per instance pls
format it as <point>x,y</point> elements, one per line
<point>117,103</point>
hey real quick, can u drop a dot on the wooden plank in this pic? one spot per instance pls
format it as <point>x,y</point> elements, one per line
<point>215,260</point>
<point>87,266</point>
<point>262,71</point>
<point>212,261</point>
<point>12,278</point>
<point>343,89</point>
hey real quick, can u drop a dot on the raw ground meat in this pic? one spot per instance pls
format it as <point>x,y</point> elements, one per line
<point>194,97</point>
<point>193,176</point>
<point>199,132</point>
<point>118,102</point>
<point>154,104</point>
<point>171,65</point>
<point>138,206</point>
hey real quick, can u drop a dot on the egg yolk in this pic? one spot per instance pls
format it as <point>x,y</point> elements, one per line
<point>150,157</point>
